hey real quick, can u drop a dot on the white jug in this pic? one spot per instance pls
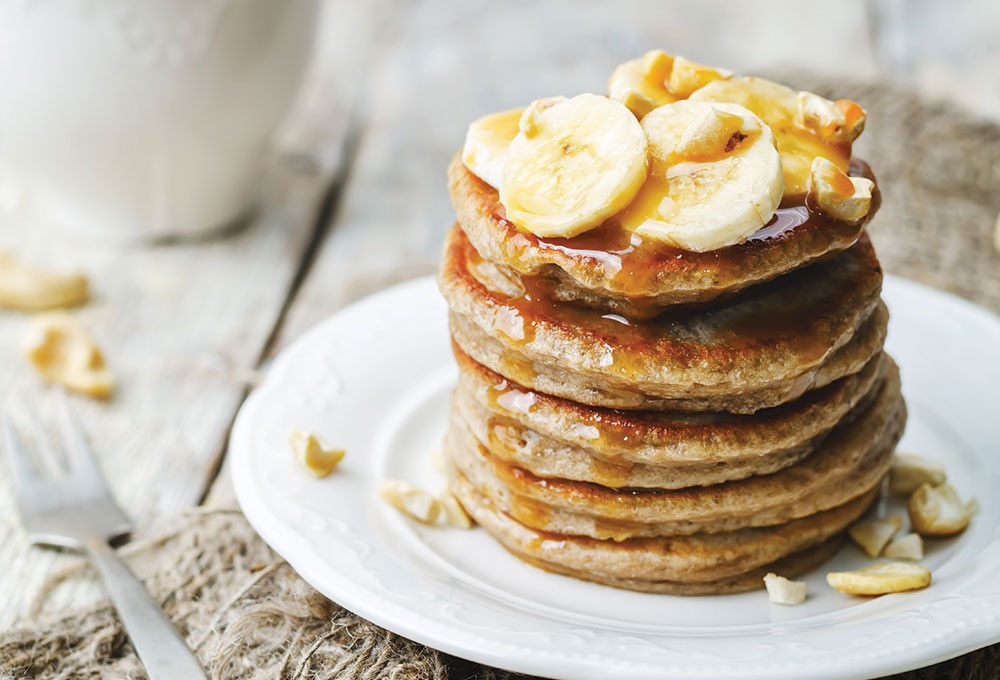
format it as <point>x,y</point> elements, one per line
<point>146,119</point>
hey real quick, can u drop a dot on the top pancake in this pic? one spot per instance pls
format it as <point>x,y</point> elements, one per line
<point>612,269</point>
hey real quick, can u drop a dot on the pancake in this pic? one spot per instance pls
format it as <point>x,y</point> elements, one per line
<point>511,443</point>
<point>851,461</point>
<point>553,378</point>
<point>657,439</point>
<point>767,347</point>
<point>791,566</point>
<point>697,559</point>
<point>615,270</point>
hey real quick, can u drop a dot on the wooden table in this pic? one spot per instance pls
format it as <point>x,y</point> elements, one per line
<point>356,200</point>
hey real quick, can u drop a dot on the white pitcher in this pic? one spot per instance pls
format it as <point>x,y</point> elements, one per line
<point>145,119</point>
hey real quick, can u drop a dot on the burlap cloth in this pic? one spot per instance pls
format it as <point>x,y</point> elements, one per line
<point>247,614</point>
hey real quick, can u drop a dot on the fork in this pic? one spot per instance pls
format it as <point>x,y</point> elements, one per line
<point>76,511</point>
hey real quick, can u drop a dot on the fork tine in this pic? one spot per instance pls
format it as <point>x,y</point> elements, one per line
<point>22,470</point>
<point>79,458</point>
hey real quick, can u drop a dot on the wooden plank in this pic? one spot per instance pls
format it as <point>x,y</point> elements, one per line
<point>180,326</point>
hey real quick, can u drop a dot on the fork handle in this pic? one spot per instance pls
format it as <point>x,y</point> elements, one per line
<point>158,644</point>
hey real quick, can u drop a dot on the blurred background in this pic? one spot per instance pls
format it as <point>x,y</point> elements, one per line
<point>134,148</point>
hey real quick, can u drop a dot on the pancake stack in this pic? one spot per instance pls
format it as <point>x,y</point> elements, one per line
<point>661,419</point>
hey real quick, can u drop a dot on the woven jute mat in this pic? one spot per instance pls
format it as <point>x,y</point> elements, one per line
<point>248,615</point>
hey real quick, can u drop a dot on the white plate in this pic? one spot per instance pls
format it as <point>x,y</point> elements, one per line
<point>375,379</point>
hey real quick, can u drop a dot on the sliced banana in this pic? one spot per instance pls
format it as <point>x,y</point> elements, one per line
<point>687,76</point>
<point>657,79</point>
<point>574,163</point>
<point>842,197</point>
<point>778,106</point>
<point>715,177</point>
<point>712,131</point>
<point>486,143</point>
<point>881,579</point>
<point>641,84</point>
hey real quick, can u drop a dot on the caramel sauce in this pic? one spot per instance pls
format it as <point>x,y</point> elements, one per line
<point>798,148</point>
<point>851,111</point>
<point>537,515</point>
<point>518,369</point>
<point>632,266</point>
<point>504,438</point>
<point>620,531</point>
<point>586,494</point>
<point>608,474</point>
<point>646,203</point>
<point>620,438</point>
<point>842,185</point>
<point>504,396</point>
<point>529,511</point>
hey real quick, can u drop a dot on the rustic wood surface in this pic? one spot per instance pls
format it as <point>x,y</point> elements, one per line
<point>356,200</point>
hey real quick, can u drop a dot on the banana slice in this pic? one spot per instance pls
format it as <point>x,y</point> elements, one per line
<point>574,163</point>
<point>486,143</point>
<point>641,84</point>
<point>657,79</point>
<point>881,579</point>
<point>715,177</point>
<point>687,76</point>
<point>778,106</point>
